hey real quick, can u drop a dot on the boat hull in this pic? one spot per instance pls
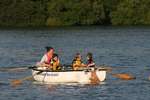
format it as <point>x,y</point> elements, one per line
<point>83,76</point>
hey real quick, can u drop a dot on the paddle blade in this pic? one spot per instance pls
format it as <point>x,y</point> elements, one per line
<point>16,82</point>
<point>124,76</point>
<point>94,78</point>
<point>20,81</point>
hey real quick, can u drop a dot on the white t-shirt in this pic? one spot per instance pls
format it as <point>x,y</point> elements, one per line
<point>44,59</point>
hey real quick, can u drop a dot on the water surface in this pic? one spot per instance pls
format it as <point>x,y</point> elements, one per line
<point>113,46</point>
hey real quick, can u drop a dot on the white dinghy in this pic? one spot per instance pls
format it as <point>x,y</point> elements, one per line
<point>67,76</point>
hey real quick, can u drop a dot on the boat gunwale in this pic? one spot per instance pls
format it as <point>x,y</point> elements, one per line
<point>85,70</point>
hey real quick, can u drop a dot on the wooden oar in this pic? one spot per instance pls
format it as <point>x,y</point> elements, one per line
<point>13,69</point>
<point>113,67</point>
<point>94,78</point>
<point>123,76</point>
<point>20,81</point>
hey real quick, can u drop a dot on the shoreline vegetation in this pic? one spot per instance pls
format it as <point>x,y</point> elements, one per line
<point>58,13</point>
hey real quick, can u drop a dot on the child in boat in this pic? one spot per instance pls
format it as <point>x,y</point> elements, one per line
<point>90,62</point>
<point>77,63</point>
<point>55,63</point>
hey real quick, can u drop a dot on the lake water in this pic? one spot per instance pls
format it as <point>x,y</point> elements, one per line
<point>113,46</point>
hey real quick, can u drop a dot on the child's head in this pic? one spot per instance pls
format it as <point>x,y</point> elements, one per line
<point>55,56</point>
<point>89,55</point>
<point>78,56</point>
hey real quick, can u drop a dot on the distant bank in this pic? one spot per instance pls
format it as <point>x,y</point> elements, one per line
<point>47,13</point>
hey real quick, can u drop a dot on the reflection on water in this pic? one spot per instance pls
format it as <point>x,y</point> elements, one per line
<point>113,46</point>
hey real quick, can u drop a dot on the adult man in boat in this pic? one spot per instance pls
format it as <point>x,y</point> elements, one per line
<point>46,59</point>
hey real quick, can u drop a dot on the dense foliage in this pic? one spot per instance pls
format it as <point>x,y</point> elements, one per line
<point>132,12</point>
<point>74,12</point>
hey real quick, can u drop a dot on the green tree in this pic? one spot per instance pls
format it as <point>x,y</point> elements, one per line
<point>75,12</point>
<point>22,13</point>
<point>131,12</point>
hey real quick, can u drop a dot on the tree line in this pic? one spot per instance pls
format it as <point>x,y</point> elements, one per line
<point>22,13</point>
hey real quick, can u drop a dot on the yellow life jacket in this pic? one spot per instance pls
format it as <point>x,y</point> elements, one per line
<point>77,63</point>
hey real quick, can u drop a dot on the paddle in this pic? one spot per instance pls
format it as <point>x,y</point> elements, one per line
<point>23,68</point>
<point>114,67</point>
<point>20,81</point>
<point>94,78</point>
<point>13,69</point>
<point>123,76</point>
